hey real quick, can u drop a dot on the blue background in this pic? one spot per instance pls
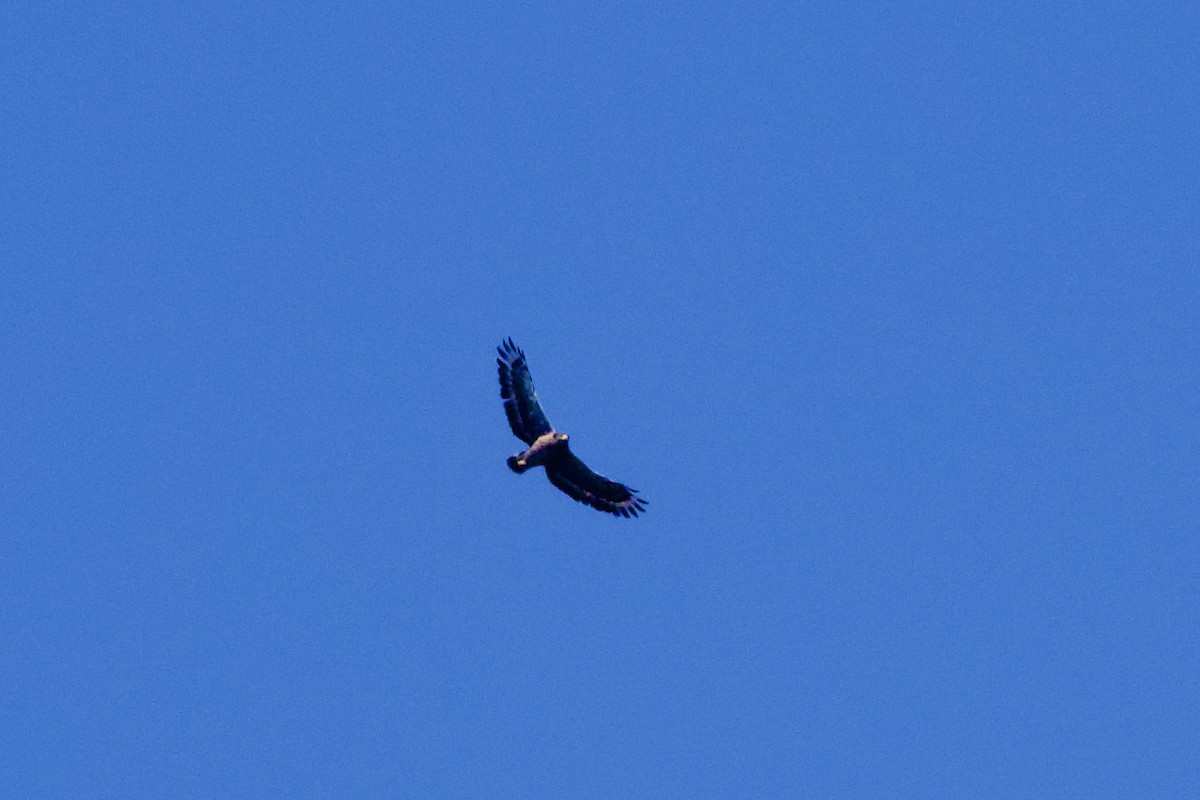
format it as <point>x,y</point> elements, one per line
<point>889,310</point>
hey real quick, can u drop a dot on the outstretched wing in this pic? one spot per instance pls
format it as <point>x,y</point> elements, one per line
<point>521,406</point>
<point>571,475</point>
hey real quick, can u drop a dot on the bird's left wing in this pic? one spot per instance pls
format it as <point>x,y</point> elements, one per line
<point>572,476</point>
<point>521,405</point>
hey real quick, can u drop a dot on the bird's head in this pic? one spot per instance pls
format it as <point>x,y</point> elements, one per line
<point>562,437</point>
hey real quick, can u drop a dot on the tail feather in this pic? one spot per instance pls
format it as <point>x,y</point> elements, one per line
<point>515,465</point>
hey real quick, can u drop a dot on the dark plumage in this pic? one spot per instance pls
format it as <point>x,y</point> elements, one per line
<point>548,448</point>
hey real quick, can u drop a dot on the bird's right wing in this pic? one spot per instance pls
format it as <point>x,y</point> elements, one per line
<point>574,477</point>
<point>521,406</point>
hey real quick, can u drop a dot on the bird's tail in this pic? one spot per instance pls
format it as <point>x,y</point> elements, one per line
<point>515,465</point>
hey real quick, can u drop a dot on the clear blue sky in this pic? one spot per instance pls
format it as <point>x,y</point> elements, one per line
<point>890,311</point>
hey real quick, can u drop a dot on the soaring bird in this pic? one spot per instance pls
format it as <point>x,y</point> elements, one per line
<point>548,447</point>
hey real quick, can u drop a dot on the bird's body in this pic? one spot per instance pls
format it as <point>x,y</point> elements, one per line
<point>543,449</point>
<point>548,448</point>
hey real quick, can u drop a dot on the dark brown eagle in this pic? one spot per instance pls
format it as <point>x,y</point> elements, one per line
<point>548,448</point>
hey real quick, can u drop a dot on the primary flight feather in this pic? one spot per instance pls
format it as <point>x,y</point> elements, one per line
<point>548,448</point>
